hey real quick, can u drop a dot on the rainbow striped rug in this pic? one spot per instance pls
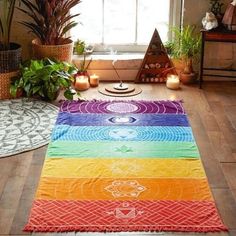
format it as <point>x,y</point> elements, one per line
<point>123,166</point>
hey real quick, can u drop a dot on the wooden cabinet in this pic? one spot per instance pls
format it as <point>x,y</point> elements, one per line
<point>216,35</point>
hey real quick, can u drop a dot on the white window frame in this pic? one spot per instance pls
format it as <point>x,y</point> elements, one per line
<point>175,19</point>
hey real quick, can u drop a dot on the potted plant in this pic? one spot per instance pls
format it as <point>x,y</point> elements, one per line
<point>186,48</point>
<point>10,53</point>
<point>82,73</point>
<point>45,78</point>
<point>79,47</point>
<point>168,46</point>
<point>50,22</point>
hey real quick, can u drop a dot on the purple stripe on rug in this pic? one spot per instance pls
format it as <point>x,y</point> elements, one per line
<point>77,119</point>
<point>121,107</point>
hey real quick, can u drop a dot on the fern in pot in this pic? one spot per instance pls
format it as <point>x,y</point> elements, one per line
<point>186,47</point>
<point>51,20</point>
<point>44,79</point>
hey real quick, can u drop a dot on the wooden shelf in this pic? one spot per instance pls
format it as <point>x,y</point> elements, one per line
<point>153,71</point>
<point>155,75</point>
<point>157,59</point>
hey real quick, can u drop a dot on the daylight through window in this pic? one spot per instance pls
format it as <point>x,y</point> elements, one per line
<point>122,22</point>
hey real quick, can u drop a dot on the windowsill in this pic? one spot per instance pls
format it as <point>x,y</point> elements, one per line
<point>111,57</point>
<point>126,64</point>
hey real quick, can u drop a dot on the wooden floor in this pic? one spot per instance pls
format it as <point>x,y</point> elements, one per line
<point>212,114</point>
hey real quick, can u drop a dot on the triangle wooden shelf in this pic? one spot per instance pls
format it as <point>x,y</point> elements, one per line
<point>156,64</point>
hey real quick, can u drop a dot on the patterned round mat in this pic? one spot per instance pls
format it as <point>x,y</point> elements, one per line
<point>25,125</point>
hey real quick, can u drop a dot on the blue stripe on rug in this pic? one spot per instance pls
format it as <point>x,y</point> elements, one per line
<point>122,133</point>
<point>121,120</point>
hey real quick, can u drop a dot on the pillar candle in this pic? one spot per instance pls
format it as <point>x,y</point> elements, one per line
<point>173,82</point>
<point>81,83</point>
<point>94,80</point>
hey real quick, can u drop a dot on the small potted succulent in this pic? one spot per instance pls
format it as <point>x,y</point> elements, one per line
<point>44,79</point>
<point>10,53</point>
<point>50,22</point>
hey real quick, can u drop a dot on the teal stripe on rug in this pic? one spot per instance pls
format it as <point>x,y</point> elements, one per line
<point>122,133</point>
<point>120,149</point>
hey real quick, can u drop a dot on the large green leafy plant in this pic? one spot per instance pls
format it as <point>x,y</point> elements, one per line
<point>186,45</point>
<point>44,78</point>
<point>50,19</point>
<point>7,8</point>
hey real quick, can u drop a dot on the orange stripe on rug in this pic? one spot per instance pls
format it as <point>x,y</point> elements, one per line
<point>123,189</point>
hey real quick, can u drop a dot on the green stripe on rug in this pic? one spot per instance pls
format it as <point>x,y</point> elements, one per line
<point>123,149</point>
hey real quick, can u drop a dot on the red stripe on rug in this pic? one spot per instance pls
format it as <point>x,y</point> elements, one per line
<point>116,216</point>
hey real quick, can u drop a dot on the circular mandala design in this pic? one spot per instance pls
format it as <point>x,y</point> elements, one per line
<point>25,125</point>
<point>122,107</point>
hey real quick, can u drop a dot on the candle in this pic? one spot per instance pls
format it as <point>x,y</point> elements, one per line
<point>81,83</point>
<point>173,82</point>
<point>94,80</point>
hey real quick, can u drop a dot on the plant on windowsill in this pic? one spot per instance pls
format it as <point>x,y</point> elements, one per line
<point>79,47</point>
<point>83,68</point>
<point>44,79</point>
<point>50,21</point>
<point>186,47</point>
<point>10,53</point>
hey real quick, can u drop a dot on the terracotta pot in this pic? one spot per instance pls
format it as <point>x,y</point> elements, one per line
<point>10,59</point>
<point>59,52</point>
<point>179,65</point>
<point>187,78</point>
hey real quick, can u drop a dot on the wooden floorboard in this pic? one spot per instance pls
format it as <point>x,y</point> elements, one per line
<point>212,115</point>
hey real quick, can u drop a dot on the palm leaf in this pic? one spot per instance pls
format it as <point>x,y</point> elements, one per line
<point>35,29</point>
<point>52,18</point>
<point>10,17</point>
<point>68,27</point>
<point>31,6</point>
<point>1,29</point>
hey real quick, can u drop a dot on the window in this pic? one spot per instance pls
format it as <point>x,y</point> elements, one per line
<point>124,25</point>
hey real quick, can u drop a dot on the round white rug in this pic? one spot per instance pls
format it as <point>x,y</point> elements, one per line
<point>25,124</point>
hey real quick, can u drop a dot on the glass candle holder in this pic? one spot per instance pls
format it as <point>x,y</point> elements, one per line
<point>173,82</point>
<point>94,80</point>
<point>81,82</point>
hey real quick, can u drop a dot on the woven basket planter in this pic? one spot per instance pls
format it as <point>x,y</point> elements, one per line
<point>5,82</point>
<point>10,59</point>
<point>59,52</point>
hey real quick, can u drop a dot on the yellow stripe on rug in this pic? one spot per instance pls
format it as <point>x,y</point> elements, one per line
<point>122,168</point>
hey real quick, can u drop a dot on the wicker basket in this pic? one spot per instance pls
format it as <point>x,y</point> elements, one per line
<point>59,52</point>
<point>10,59</point>
<point>5,82</point>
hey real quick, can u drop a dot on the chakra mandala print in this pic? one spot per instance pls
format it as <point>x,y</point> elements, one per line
<point>123,166</point>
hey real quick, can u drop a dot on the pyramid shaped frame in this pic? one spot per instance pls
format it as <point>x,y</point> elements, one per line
<point>156,64</point>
